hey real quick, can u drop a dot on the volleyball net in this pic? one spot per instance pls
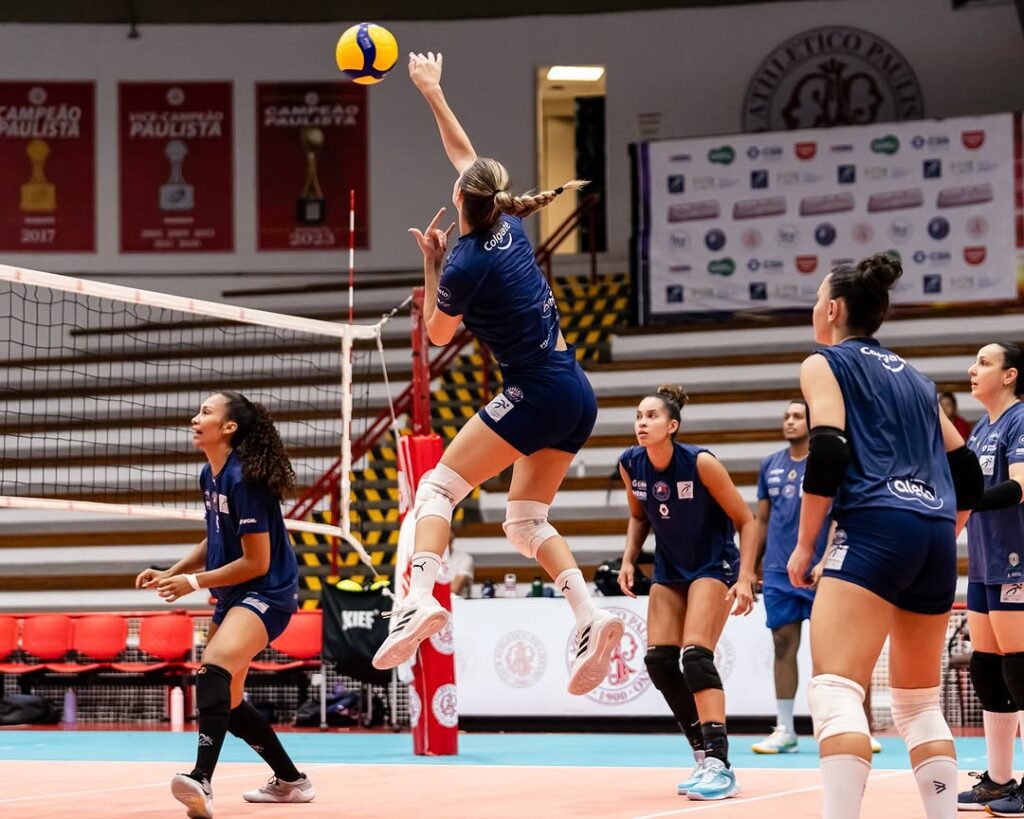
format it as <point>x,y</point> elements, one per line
<point>99,383</point>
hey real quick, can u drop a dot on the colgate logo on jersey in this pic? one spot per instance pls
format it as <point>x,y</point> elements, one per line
<point>806,264</point>
<point>912,489</point>
<point>974,255</point>
<point>497,241</point>
<point>891,361</point>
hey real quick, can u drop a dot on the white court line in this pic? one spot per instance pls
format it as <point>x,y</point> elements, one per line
<point>162,782</point>
<point>729,803</point>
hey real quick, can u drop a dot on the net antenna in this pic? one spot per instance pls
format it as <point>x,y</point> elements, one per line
<point>98,370</point>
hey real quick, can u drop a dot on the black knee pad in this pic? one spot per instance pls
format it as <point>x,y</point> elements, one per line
<point>989,685</point>
<point>663,667</point>
<point>699,669</point>
<point>213,689</point>
<point>1013,676</point>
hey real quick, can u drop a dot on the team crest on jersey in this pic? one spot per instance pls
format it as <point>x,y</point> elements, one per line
<point>514,394</point>
<point>661,491</point>
<point>792,475</point>
<point>684,490</point>
<point>788,491</point>
<point>520,659</point>
<point>627,675</point>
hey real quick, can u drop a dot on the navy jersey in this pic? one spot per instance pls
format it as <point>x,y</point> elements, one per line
<point>995,540</point>
<point>491,279</point>
<point>693,536</point>
<point>781,483</point>
<point>897,457</point>
<point>236,507</point>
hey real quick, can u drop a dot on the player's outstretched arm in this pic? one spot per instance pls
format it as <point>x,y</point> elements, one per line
<point>425,72</point>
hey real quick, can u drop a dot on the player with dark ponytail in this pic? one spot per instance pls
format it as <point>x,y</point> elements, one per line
<point>900,482</point>
<point>247,563</point>
<point>688,498</point>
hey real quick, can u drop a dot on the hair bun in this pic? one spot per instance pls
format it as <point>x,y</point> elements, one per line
<point>880,271</point>
<point>675,393</point>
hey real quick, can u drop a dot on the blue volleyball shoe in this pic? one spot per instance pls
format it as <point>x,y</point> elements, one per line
<point>693,778</point>
<point>1012,805</point>
<point>716,782</point>
<point>983,792</point>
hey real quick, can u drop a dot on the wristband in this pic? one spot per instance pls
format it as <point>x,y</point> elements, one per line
<point>193,581</point>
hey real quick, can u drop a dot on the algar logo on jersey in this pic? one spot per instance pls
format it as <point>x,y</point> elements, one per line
<point>911,489</point>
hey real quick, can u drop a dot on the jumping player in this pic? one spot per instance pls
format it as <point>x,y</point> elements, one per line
<point>905,481</point>
<point>247,563</point>
<point>995,588</point>
<point>686,496</point>
<point>491,282</point>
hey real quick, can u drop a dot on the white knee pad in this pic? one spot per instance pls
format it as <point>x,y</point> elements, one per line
<point>837,707</point>
<point>918,716</point>
<point>439,493</point>
<point>526,526</point>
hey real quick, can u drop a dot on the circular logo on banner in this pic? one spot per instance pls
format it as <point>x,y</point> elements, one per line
<point>834,75</point>
<point>415,706</point>
<point>444,641</point>
<point>520,659</point>
<point>627,675</point>
<point>444,706</point>
<point>725,658</point>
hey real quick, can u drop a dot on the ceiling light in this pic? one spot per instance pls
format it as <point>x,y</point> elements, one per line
<point>575,73</point>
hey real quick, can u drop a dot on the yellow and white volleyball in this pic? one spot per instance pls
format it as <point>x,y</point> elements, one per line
<point>366,52</point>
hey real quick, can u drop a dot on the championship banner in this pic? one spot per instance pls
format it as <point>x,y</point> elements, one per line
<point>47,166</point>
<point>513,656</point>
<point>176,167</point>
<point>310,152</point>
<point>756,221</point>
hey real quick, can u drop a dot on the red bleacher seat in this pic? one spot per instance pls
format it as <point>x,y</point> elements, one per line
<point>167,637</point>
<point>99,637</point>
<point>302,641</point>
<point>46,637</point>
<point>8,643</point>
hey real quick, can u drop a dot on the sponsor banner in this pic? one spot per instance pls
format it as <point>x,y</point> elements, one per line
<point>176,167</point>
<point>513,657</point>
<point>756,221</point>
<point>310,152</point>
<point>47,166</point>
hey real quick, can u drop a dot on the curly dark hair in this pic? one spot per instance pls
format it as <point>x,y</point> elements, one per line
<point>258,445</point>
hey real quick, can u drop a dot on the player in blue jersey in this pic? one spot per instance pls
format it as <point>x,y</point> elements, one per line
<point>686,496</point>
<point>902,482</point>
<point>779,491</point>
<point>995,589</point>
<point>490,281</point>
<point>247,563</point>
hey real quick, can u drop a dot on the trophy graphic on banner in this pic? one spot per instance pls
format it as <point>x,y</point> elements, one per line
<point>38,195</point>
<point>310,208</point>
<point>176,194</point>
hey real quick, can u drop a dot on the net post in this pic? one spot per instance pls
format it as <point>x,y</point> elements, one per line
<point>420,367</point>
<point>344,478</point>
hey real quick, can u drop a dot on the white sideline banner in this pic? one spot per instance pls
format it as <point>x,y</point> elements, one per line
<point>755,221</point>
<point>512,659</point>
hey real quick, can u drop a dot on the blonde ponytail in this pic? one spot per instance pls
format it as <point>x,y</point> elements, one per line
<point>526,203</point>
<point>486,194</point>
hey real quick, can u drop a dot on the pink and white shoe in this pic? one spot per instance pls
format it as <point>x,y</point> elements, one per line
<point>595,642</point>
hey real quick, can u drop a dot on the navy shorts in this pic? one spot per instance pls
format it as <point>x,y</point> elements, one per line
<point>552,407</point>
<point>904,558</point>
<point>784,603</point>
<point>986,597</point>
<point>275,619</point>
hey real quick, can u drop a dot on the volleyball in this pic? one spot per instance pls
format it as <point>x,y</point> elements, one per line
<point>366,52</point>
